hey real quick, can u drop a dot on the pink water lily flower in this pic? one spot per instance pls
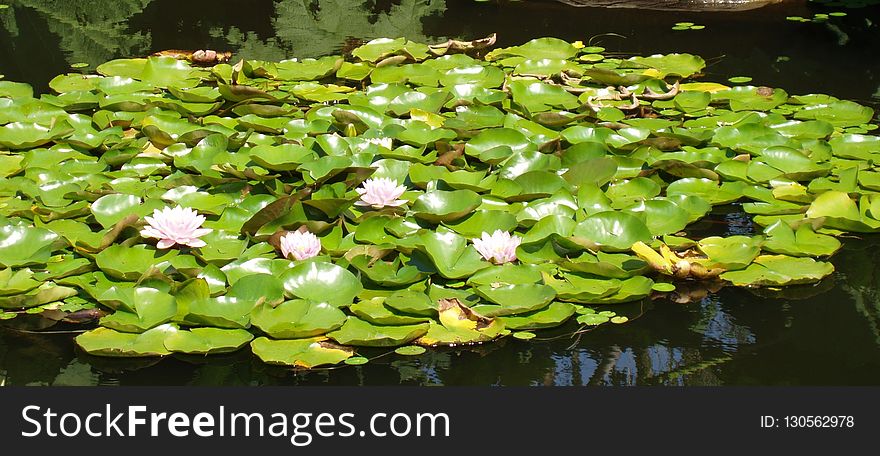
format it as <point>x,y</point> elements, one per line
<point>300,244</point>
<point>380,192</point>
<point>499,247</point>
<point>180,225</point>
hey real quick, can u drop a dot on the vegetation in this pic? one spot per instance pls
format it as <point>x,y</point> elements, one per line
<point>407,195</point>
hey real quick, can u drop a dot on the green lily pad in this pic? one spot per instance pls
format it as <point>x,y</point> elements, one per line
<point>551,316</point>
<point>207,341</point>
<point>305,353</point>
<point>17,282</point>
<point>297,319</point>
<point>22,245</point>
<point>151,308</point>
<point>513,299</point>
<point>46,293</point>
<point>682,65</point>
<point>361,333</point>
<point>614,231</point>
<point>779,270</point>
<point>782,239</point>
<point>108,210</point>
<point>321,282</point>
<point>734,252</point>
<point>841,212</point>
<point>23,135</point>
<point>107,342</point>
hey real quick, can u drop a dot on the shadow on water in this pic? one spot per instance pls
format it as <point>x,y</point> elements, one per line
<point>816,335</point>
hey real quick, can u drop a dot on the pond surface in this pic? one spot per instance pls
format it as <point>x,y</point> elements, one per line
<point>826,334</point>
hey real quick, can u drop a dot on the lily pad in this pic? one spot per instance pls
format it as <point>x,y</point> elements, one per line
<point>614,231</point>
<point>21,245</point>
<point>107,342</point>
<point>151,308</point>
<point>321,282</point>
<point>305,353</point>
<point>207,341</point>
<point>779,270</point>
<point>297,319</point>
<point>359,332</point>
<point>460,325</point>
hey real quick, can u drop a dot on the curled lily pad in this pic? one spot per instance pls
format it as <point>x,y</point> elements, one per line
<point>389,274</point>
<point>130,263</point>
<point>17,282</point>
<point>46,293</point>
<point>840,211</point>
<point>451,255</point>
<point>410,350</point>
<point>411,302</point>
<point>460,325</point>
<point>110,209</point>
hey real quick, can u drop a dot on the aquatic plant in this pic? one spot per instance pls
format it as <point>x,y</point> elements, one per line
<point>591,171</point>
<point>175,226</point>
<point>498,247</point>
<point>300,245</point>
<point>380,192</point>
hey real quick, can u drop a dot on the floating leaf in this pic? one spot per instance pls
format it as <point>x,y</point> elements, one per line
<point>297,319</point>
<point>107,342</point>
<point>778,270</point>
<point>410,350</point>
<point>305,353</point>
<point>207,341</point>
<point>359,332</point>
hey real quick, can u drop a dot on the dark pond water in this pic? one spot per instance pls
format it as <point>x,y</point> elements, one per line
<point>827,334</point>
